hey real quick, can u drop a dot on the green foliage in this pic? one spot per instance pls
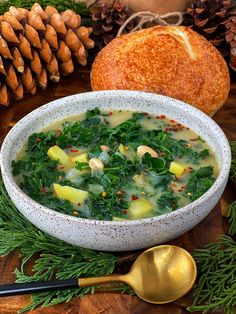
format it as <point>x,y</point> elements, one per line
<point>216,287</point>
<point>233,164</point>
<point>57,259</point>
<point>179,149</point>
<point>155,164</point>
<point>61,5</point>
<point>232,218</point>
<point>167,202</point>
<point>200,181</point>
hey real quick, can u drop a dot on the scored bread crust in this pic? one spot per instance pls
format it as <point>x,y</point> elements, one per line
<point>170,60</point>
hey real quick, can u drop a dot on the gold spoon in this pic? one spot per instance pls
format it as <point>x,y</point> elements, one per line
<point>159,275</point>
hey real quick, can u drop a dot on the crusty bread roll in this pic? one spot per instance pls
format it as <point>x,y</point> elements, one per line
<point>168,60</point>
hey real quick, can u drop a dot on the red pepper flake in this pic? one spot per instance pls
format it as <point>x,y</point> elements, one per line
<point>110,113</point>
<point>172,121</point>
<point>183,187</point>
<point>69,146</point>
<point>123,192</point>
<point>149,118</point>
<point>157,117</point>
<point>162,116</point>
<point>172,183</point>
<point>44,190</point>
<point>74,150</point>
<point>38,140</point>
<point>146,113</point>
<point>180,190</point>
<point>124,211</point>
<point>134,197</point>
<point>176,178</point>
<point>61,167</point>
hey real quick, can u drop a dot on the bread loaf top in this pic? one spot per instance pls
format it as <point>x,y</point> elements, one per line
<point>168,60</point>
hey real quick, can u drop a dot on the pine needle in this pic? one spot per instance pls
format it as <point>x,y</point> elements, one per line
<point>216,287</point>
<point>233,163</point>
<point>61,5</point>
<point>57,259</point>
<point>232,218</point>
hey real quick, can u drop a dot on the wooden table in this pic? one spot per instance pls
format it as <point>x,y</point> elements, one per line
<point>106,303</point>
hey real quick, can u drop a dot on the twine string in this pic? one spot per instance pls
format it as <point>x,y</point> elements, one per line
<point>147,16</point>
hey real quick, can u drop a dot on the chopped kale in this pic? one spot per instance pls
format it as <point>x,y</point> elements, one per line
<point>167,202</point>
<point>157,165</point>
<point>200,181</point>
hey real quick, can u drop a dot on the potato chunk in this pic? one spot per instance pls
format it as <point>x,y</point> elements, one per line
<point>80,158</point>
<point>140,208</point>
<point>56,153</point>
<point>176,168</point>
<point>71,194</point>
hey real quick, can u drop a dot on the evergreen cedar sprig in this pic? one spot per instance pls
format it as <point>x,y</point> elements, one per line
<point>216,287</point>
<point>61,5</point>
<point>232,218</point>
<point>233,164</point>
<point>57,259</point>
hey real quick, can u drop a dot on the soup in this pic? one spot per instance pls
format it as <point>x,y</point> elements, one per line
<point>115,165</point>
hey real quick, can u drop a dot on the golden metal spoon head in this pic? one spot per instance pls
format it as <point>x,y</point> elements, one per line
<point>162,274</point>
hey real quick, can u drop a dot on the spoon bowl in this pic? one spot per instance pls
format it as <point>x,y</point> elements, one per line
<point>162,274</point>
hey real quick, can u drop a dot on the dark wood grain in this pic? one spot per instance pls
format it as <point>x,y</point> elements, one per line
<point>106,303</point>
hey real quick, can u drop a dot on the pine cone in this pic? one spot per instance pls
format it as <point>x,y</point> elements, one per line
<point>231,38</point>
<point>108,21</point>
<point>208,18</point>
<point>38,45</point>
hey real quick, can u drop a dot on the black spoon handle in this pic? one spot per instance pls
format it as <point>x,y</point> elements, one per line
<point>23,288</point>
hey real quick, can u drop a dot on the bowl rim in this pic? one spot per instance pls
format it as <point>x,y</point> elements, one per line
<point>8,178</point>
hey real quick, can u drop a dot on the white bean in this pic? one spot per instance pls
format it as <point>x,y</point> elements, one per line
<point>143,149</point>
<point>95,163</point>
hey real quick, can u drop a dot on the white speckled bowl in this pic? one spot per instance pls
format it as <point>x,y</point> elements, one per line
<point>124,235</point>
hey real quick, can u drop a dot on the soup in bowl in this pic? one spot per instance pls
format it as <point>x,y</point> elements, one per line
<point>115,170</point>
